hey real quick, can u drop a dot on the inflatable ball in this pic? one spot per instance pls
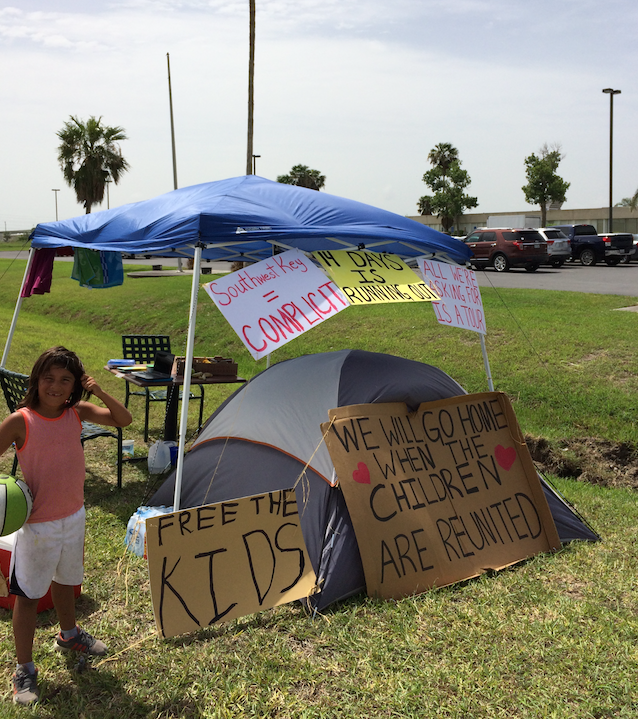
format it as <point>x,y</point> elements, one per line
<point>15,504</point>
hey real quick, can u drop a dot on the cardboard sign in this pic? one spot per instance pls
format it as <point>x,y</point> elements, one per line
<point>215,563</point>
<point>275,300</point>
<point>439,495</point>
<point>374,278</point>
<point>461,304</point>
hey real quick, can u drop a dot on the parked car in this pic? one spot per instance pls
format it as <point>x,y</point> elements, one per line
<point>633,255</point>
<point>558,245</point>
<point>589,247</point>
<point>502,248</point>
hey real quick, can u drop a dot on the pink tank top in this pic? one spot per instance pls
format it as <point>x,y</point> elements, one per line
<point>52,463</point>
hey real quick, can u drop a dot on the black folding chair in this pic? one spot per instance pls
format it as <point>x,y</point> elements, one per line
<point>15,386</point>
<point>142,349</point>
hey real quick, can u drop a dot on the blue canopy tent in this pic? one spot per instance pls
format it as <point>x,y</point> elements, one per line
<point>239,219</point>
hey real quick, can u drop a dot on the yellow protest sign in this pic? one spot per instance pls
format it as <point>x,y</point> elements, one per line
<point>438,495</point>
<point>373,278</point>
<point>215,563</point>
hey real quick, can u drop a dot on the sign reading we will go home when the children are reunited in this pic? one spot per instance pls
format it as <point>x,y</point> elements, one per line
<point>275,300</point>
<point>438,495</point>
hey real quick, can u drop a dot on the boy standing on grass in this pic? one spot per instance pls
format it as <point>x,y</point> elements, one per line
<point>49,548</point>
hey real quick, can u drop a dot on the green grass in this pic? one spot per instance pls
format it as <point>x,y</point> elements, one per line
<point>555,636</point>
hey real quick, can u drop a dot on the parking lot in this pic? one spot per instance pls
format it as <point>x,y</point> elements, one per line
<point>572,277</point>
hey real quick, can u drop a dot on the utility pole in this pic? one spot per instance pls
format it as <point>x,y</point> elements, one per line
<point>251,89</point>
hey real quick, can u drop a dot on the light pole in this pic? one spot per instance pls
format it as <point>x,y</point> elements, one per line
<point>609,91</point>
<point>56,203</point>
<point>108,199</point>
<point>255,163</point>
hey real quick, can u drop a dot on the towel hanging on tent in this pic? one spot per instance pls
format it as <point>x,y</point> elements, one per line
<point>40,274</point>
<point>97,269</point>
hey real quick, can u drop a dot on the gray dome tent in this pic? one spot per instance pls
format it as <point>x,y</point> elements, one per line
<point>263,436</point>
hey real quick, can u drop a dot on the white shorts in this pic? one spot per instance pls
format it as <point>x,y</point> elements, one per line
<point>46,552</point>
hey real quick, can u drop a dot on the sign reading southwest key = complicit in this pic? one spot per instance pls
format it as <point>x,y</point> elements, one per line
<point>460,302</point>
<point>275,300</point>
<point>374,278</point>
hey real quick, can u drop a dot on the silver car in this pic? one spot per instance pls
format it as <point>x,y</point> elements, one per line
<point>558,246</point>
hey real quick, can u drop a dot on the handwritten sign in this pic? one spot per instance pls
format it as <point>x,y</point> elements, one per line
<point>460,304</point>
<point>275,300</point>
<point>438,495</point>
<point>374,278</point>
<point>215,563</point>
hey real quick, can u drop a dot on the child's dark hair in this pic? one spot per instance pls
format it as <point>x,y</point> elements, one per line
<point>55,357</point>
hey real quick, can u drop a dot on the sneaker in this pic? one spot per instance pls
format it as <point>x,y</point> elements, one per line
<point>25,687</point>
<point>82,642</point>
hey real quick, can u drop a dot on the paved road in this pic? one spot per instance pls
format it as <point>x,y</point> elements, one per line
<point>601,280</point>
<point>573,277</point>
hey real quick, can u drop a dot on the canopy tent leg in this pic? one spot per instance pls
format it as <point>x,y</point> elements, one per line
<point>188,368</point>
<point>16,312</point>
<point>486,363</point>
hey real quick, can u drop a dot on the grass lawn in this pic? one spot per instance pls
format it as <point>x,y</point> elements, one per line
<point>554,636</point>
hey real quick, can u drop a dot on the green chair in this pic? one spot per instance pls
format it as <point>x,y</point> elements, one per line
<point>15,386</point>
<point>142,349</point>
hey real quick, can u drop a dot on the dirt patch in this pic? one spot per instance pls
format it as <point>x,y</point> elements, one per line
<point>588,460</point>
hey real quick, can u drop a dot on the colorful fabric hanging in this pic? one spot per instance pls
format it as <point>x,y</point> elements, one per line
<point>97,269</point>
<point>40,275</point>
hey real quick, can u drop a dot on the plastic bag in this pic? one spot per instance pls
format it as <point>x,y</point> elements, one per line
<point>159,457</point>
<point>135,539</point>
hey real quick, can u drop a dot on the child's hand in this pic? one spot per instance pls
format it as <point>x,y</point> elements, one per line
<point>90,385</point>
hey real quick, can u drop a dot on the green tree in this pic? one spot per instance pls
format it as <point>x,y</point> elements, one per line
<point>447,180</point>
<point>89,155</point>
<point>303,176</point>
<point>630,202</point>
<point>544,186</point>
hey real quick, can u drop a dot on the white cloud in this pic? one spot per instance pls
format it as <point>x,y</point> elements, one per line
<point>361,91</point>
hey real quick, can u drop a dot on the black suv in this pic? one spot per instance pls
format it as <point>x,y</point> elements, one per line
<point>503,248</point>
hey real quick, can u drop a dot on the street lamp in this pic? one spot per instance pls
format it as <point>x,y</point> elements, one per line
<point>255,163</point>
<point>56,203</point>
<point>108,199</point>
<point>609,91</point>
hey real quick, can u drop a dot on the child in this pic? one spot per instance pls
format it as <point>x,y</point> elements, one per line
<point>49,548</point>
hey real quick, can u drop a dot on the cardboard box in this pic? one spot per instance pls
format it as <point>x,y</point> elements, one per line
<point>212,366</point>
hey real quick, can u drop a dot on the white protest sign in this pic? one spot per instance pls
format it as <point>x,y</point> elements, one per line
<point>461,304</point>
<point>275,300</point>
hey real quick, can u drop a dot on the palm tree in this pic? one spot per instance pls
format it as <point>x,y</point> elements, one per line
<point>90,156</point>
<point>443,155</point>
<point>303,176</point>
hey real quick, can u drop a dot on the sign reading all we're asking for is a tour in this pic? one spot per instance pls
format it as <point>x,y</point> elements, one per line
<point>460,303</point>
<point>438,495</point>
<point>273,301</point>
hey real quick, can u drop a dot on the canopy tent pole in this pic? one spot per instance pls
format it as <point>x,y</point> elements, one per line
<point>188,368</point>
<point>486,362</point>
<point>16,312</point>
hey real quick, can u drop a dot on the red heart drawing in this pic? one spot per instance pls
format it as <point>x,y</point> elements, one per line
<point>361,474</point>
<point>505,457</point>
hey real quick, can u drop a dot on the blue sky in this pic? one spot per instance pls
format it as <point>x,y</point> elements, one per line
<point>359,91</point>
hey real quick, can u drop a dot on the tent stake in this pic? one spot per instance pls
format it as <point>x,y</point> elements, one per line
<point>486,362</point>
<point>16,312</point>
<point>188,368</point>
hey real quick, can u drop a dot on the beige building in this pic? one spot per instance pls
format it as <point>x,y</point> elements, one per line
<point>624,220</point>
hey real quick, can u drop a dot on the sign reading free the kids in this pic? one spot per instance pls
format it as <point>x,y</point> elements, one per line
<point>275,300</point>
<point>214,563</point>
<point>438,495</point>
